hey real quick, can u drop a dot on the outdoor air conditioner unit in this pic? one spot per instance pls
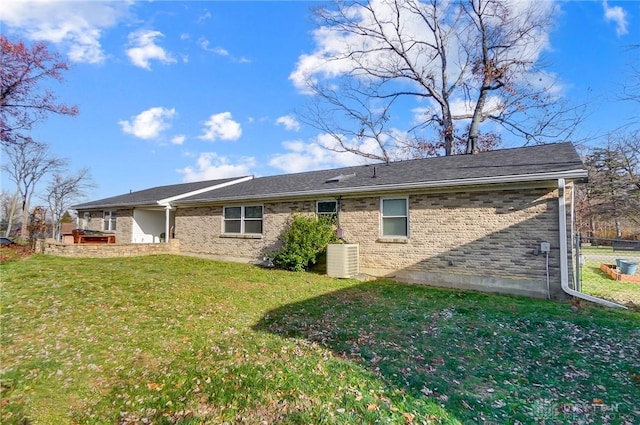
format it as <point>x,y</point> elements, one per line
<point>343,260</point>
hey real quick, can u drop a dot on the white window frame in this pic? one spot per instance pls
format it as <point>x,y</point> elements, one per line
<point>382,217</point>
<point>323,201</point>
<point>109,220</point>
<point>243,219</point>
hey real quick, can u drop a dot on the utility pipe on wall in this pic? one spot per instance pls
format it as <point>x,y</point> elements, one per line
<point>564,267</point>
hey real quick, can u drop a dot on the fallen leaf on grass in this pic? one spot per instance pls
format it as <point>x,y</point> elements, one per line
<point>372,406</point>
<point>153,386</point>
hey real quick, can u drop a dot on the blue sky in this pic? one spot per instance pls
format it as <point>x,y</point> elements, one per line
<point>174,91</point>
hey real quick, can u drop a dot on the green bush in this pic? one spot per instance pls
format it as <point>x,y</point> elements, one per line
<point>305,239</point>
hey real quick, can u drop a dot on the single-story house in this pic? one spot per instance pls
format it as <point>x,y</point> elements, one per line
<point>498,221</point>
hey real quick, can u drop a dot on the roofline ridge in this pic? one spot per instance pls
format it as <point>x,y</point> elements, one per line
<point>167,201</point>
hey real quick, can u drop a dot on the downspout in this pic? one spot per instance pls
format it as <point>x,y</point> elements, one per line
<point>564,267</point>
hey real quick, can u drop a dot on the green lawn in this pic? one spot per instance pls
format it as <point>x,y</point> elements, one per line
<point>179,340</point>
<point>596,282</point>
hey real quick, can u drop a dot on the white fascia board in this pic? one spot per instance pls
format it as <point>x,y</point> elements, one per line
<point>519,178</point>
<point>167,201</point>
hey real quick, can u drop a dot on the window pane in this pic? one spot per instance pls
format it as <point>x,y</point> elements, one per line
<point>394,207</point>
<point>394,226</point>
<point>232,212</point>
<point>113,224</point>
<point>253,226</point>
<point>232,226</point>
<point>253,212</point>
<point>329,207</point>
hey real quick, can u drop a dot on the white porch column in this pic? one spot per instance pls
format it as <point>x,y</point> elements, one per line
<point>167,222</point>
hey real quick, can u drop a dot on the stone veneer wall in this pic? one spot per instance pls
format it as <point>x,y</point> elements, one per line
<point>124,223</point>
<point>200,231</point>
<point>95,220</point>
<point>469,240</point>
<point>476,239</point>
<point>50,246</point>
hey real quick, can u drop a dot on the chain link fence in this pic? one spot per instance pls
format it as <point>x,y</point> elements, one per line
<point>608,268</point>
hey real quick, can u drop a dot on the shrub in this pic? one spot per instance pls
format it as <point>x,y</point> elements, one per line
<point>305,239</point>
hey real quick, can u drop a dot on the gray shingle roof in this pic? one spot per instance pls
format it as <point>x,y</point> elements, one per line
<point>542,162</point>
<point>530,161</point>
<point>148,197</point>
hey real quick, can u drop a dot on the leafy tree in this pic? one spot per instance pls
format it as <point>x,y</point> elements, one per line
<point>23,99</point>
<point>27,162</point>
<point>304,240</point>
<point>465,63</point>
<point>66,218</point>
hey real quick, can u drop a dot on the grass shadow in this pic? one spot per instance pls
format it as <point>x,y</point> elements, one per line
<point>483,358</point>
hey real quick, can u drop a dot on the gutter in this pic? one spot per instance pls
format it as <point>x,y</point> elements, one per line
<point>564,267</point>
<point>518,178</point>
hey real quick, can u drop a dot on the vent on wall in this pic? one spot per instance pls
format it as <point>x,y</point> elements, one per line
<point>343,260</point>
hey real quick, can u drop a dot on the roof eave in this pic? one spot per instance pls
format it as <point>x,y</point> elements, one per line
<point>115,205</point>
<point>518,178</point>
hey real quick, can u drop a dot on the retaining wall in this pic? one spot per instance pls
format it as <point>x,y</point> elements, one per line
<point>49,246</point>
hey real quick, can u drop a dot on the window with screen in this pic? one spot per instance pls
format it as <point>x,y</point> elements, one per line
<point>395,217</point>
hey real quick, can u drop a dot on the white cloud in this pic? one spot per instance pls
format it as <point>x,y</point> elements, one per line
<point>205,16</point>
<point>204,43</point>
<point>144,49</point>
<point>210,165</point>
<point>221,51</point>
<point>221,126</point>
<point>618,16</point>
<point>76,26</point>
<point>289,122</point>
<point>315,155</point>
<point>149,124</point>
<point>179,139</point>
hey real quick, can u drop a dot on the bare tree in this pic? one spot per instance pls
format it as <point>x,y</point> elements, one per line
<point>62,191</point>
<point>464,63</point>
<point>612,194</point>
<point>631,87</point>
<point>8,207</point>
<point>27,163</point>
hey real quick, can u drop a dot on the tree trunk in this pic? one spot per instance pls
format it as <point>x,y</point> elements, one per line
<point>24,227</point>
<point>12,212</point>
